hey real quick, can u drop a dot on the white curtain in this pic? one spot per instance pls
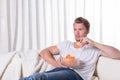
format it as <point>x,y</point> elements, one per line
<point>36,24</point>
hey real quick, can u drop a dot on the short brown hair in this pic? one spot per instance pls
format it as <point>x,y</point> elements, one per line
<point>84,21</point>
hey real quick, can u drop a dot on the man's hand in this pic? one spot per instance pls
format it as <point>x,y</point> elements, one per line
<point>70,61</point>
<point>60,64</point>
<point>86,41</point>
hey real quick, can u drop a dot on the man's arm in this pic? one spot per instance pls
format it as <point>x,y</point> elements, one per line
<point>107,51</point>
<point>47,54</point>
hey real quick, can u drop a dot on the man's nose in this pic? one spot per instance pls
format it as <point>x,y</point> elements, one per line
<point>78,32</point>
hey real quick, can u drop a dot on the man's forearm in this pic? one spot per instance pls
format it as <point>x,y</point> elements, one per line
<point>47,56</point>
<point>108,50</point>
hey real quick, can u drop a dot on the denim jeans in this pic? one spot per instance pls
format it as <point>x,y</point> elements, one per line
<point>55,74</point>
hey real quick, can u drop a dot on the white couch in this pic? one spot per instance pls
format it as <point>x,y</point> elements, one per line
<point>14,65</point>
<point>108,69</point>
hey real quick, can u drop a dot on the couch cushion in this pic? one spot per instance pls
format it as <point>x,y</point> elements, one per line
<point>108,69</point>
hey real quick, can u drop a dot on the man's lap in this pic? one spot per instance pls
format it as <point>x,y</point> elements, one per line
<point>55,74</point>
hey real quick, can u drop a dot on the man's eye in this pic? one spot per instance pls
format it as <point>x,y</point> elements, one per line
<point>74,29</point>
<point>80,29</point>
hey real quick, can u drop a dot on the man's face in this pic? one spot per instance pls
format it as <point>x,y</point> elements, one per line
<point>80,31</point>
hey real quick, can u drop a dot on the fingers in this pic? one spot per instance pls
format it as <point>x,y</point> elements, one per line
<point>60,62</point>
<point>84,41</point>
<point>81,40</point>
<point>87,41</point>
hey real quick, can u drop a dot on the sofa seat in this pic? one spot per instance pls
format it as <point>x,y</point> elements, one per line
<point>108,69</point>
<point>17,64</point>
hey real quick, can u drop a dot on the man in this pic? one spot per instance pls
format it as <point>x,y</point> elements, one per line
<point>78,59</point>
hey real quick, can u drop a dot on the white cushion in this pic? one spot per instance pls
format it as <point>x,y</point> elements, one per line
<point>108,69</point>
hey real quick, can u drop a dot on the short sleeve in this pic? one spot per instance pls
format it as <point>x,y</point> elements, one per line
<point>62,46</point>
<point>98,51</point>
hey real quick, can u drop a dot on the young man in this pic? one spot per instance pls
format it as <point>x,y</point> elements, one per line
<point>78,59</point>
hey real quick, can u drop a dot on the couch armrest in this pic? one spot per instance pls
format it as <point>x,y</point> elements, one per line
<point>108,69</point>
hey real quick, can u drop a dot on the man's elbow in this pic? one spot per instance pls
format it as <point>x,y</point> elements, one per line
<point>41,53</point>
<point>44,52</point>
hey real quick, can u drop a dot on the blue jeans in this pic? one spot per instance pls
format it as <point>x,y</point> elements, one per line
<point>55,74</point>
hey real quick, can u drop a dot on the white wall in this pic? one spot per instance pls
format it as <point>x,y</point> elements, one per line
<point>110,22</point>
